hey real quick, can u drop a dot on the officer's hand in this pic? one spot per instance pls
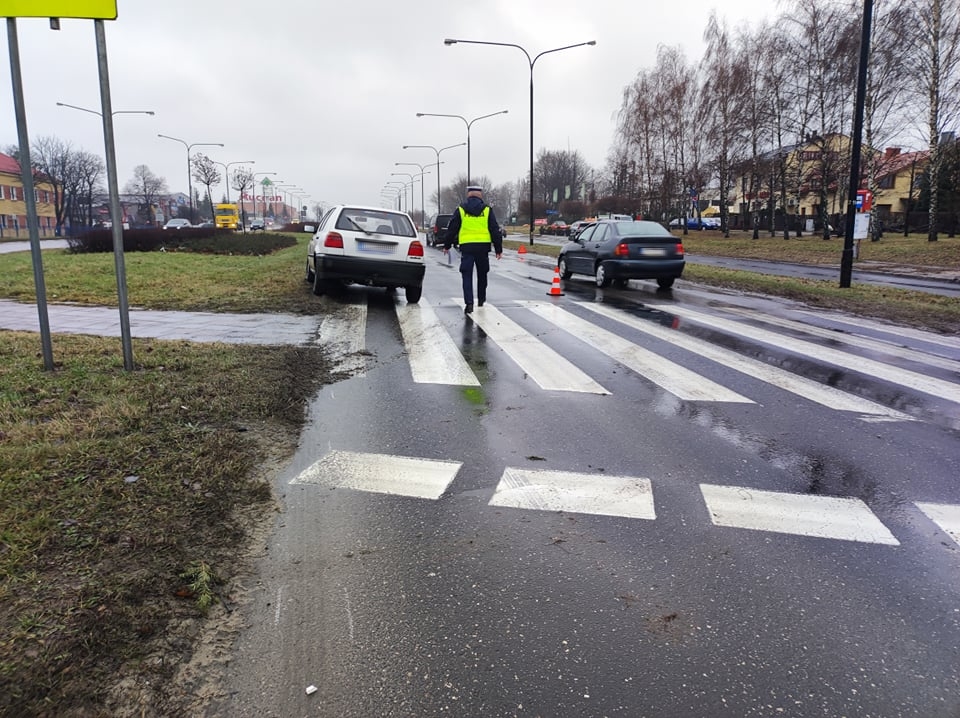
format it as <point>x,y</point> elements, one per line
<point>499,255</point>
<point>445,250</point>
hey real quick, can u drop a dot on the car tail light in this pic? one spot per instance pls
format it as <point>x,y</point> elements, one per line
<point>415,250</point>
<point>333,239</point>
<point>622,250</point>
<point>680,249</point>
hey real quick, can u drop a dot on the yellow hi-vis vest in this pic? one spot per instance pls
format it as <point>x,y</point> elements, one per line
<point>474,229</point>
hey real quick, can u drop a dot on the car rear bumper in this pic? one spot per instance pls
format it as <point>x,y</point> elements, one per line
<point>373,272</point>
<point>643,268</point>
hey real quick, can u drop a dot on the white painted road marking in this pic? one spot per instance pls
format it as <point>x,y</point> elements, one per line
<point>828,396</point>
<point>846,519</point>
<point>382,474</point>
<point>946,516</point>
<point>893,347</point>
<point>897,375</point>
<point>626,496</point>
<point>682,383</point>
<point>344,335</point>
<point>434,358</point>
<point>541,363</point>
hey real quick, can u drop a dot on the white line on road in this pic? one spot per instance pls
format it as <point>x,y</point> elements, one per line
<point>381,474</point>
<point>680,382</point>
<point>878,370</point>
<point>846,519</point>
<point>887,347</point>
<point>344,335</point>
<point>822,394</point>
<point>541,363</point>
<point>626,496</point>
<point>434,358</point>
<point>946,516</point>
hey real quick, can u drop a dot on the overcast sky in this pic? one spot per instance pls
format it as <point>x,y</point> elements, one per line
<point>325,94</point>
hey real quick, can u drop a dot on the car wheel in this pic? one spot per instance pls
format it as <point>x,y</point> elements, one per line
<point>565,273</point>
<point>413,294</point>
<point>601,278</point>
<point>309,274</point>
<point>665,282</point>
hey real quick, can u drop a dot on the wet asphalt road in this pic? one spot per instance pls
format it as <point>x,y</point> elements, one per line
<point>394,604</point>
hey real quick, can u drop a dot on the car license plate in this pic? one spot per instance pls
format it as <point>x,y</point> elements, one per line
<point>374,247</point>
<point>653,252</point>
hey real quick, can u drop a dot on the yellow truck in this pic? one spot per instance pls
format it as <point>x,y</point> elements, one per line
<point>227,216</point>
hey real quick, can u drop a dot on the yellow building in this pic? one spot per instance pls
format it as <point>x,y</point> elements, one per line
<point>13,206</point>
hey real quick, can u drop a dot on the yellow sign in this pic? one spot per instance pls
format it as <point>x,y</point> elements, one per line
<point>88,9</point>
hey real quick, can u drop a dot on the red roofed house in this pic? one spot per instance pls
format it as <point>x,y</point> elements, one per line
<point>13,207</point>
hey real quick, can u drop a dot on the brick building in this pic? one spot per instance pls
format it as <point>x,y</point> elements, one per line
<point>13,207</point>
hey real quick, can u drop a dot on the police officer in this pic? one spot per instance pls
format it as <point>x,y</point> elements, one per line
<point>474,227</point>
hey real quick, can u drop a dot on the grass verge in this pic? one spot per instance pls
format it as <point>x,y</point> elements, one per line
<point>122,498</point>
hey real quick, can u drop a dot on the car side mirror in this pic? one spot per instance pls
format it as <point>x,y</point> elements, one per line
<point>309,228</point>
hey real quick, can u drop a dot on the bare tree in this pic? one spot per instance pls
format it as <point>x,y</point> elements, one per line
<point>51,159</point>
<point>936,65</point>
<point>89,169</point>
<point>206,173</point>
<point>147,188</point>
<point>242,181</point>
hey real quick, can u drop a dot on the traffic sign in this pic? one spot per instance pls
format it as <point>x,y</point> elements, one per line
<point>84,9</point>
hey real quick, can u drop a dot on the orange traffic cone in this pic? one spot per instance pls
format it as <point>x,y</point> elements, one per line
<point>522,251</point>
<point>555,287</point>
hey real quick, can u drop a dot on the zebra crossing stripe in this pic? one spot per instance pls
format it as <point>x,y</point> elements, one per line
<point>541,363</point>
<point>681,382</point>
<point>828,396</point>
<point>381,474</point>
<point>433,356</point>
<point>946,516</point>
<point>879,370</point>
<point>888,347</point>
<point>899,331</point>
<point>626,496</point>
<point>343,334</point>
<point>846,519</point>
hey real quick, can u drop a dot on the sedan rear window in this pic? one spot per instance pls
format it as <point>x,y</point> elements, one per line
<point>375,221</point>
<point>642,229</point>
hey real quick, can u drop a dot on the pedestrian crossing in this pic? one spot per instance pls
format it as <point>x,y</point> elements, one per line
<point>629,497</point>
<point>435,356</point>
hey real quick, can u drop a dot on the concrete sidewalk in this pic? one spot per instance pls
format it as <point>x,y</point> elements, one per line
<point>147,324</point>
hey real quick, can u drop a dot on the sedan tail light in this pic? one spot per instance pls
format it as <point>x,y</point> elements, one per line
<point>333,239</point>
<point>415,250</point>
<point>680,249</point>
<point>621,250</point>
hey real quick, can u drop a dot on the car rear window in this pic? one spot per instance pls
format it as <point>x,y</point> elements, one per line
<point>378,221</point>
<point>642,229</point>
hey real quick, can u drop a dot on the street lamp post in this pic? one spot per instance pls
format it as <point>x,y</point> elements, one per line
<point>395,196</point>
<point>189,172</point>
<point>532,62</point>
<point>412,182</point>
<point>116,220</point>
<point>226,171</point>
<point>402,187</point>
<point>431,147</point>
<point>423,208</point>
<point>468,124</point>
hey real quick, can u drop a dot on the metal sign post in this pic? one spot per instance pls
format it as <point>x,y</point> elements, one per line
<point>26,174</point>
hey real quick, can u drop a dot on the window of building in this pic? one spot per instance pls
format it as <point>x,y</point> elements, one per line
<point>13,193</point>
<point>886,182</point>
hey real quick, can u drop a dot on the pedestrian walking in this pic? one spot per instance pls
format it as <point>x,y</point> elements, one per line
<point>474,228</point>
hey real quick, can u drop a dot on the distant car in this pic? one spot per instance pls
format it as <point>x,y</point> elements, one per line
<point>577,227</point>
<point>613,251</point>
<point>206,225</point>
<point>257,223</point>
<point>558,228</point>
<point>177,223</point>
<point>710,222</point>
<point>366,245</point>
<point>692,223</point>
<point>438,226</point>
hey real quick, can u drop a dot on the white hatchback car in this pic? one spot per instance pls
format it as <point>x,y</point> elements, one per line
<point>366,245</point>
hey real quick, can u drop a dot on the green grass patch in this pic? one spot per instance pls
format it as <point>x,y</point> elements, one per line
<point>122,500</point>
